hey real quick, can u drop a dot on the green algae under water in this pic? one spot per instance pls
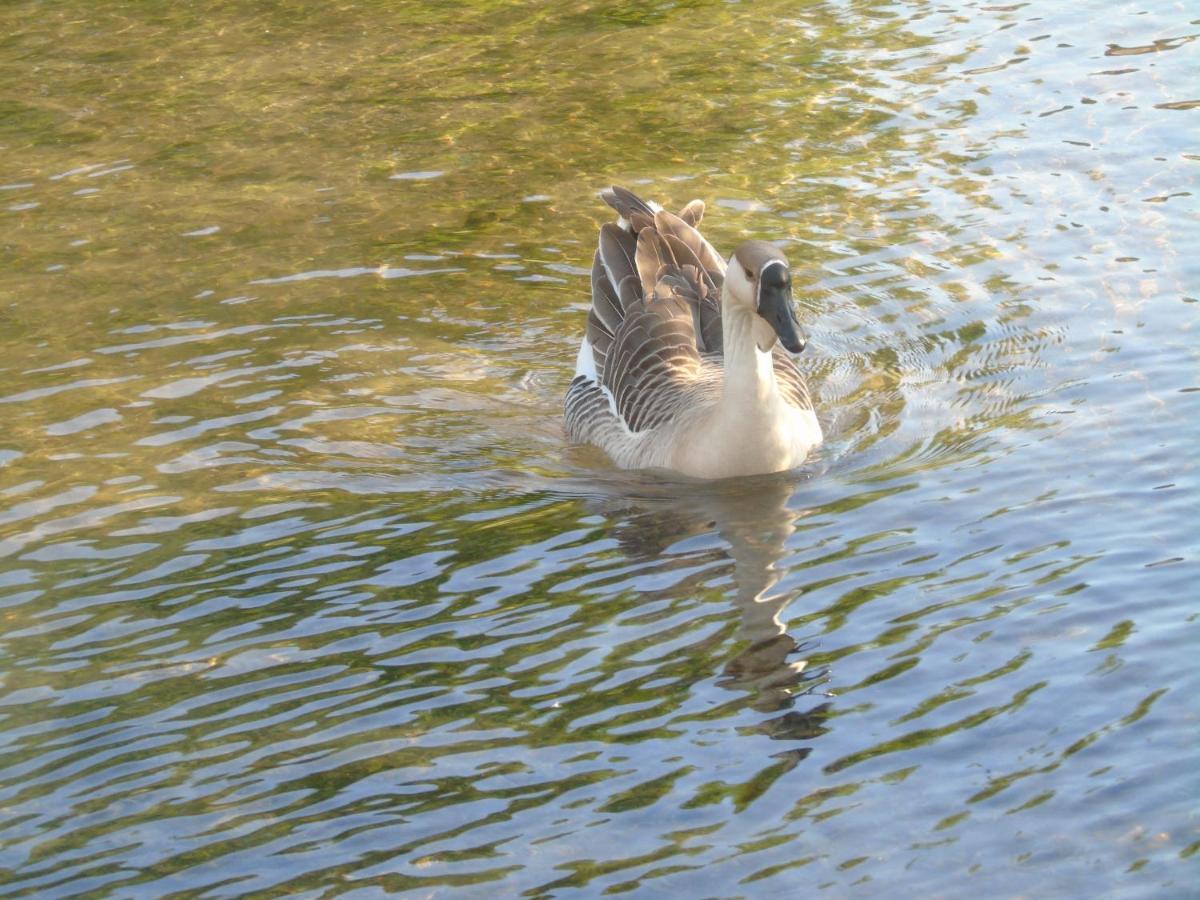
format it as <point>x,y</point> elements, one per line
<point>302,592</point>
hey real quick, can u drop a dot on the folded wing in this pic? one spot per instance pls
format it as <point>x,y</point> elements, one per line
<point>656,308</point>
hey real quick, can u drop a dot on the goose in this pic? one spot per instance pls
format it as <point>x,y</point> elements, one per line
<point>685,364</point>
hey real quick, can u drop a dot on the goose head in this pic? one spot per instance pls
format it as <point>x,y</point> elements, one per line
<point>757,280</point>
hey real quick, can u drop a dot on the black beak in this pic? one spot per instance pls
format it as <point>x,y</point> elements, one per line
<point>775,305</point>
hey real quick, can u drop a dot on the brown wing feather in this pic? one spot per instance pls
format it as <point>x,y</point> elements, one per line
<point>599,338</point>
<point>618,249</point>
<point>655,310</point>
<point>653,362</point>
<point>605,300</point>
<point>638,221</point>
<point>653,259</point>
<point>710,260</point>
<point>790,380</point>
<point>627,203</point>
<point>693,213</point>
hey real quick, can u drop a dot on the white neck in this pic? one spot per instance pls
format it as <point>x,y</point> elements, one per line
<point>752,428</point>
<point>749,375</point>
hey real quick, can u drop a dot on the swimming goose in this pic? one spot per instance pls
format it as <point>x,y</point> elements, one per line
<point>682,366</point>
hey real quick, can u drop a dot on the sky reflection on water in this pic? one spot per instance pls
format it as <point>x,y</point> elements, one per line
<point>302,591</point>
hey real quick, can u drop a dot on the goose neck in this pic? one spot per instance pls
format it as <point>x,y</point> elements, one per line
<point>749,372</point>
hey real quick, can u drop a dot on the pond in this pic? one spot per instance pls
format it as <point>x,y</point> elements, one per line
<point>303,591</point>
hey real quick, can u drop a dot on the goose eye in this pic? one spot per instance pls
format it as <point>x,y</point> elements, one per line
<point>749,274</point>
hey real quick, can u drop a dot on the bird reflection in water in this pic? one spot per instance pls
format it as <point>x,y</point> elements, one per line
<point>752,518</point>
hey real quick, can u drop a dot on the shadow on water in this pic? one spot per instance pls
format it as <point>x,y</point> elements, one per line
<point>753,519</point>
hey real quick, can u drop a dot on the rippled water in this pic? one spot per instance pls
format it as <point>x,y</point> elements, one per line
<point>302,591</point>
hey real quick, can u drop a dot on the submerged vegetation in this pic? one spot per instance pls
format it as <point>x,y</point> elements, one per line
<point>302,590</point>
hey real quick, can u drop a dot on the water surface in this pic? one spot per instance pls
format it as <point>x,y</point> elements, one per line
<point>303,592</point>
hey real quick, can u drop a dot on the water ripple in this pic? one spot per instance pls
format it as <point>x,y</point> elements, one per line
<point>302,591</point>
